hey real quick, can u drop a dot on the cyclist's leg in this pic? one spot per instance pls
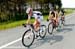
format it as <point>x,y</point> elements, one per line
<point>54,21</point>
<point>57,23</point>
<point>36,25</point>
<point>62,18</point>
<point>36,28</point>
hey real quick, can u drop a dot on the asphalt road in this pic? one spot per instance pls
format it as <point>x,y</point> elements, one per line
<point>64,38</point>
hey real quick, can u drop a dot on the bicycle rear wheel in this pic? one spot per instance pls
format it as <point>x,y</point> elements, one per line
<point>28,38</point>
<point>42,31</point>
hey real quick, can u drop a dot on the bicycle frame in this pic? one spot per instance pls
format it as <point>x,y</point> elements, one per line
<point>31,27</point>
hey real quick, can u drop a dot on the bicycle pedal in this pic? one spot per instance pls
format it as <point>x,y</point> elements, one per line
<point>51,33</point>
<point>36,36</point>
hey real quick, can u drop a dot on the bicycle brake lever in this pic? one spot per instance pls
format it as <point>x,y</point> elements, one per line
<point>24,25</point>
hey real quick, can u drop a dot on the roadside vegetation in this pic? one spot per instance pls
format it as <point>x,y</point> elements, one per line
<point>12,24</point>
<point>13,12</point>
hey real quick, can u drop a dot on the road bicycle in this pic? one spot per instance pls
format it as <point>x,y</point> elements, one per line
<point>30,34</point>
<point>52,25</point>
<point>62,21</point>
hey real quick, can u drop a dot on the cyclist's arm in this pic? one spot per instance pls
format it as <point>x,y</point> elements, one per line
<point>56,15</point>
<point>50,16</point>
<point>28,21</point>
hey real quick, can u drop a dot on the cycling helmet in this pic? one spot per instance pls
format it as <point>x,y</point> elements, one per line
<point>28,10</point>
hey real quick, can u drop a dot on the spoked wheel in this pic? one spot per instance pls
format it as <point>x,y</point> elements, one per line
<point>63,22</point>
<point>50,28</point>
<point>42,31</point>
<point>28,38</point>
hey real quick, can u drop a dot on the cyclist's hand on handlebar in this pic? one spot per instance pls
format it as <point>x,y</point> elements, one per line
<point>24,25</point>
<point>47,19</point>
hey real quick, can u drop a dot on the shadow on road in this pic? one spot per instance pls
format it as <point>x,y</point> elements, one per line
<point>70,25</point>
<point>66,28</point>
<point>47,39</point>
<point>52,39</point>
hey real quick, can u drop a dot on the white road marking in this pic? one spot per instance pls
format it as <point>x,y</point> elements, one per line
<point>12,42</point>
<point>19,39</point>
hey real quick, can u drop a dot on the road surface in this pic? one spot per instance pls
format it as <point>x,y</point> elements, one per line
<point>64,38</point>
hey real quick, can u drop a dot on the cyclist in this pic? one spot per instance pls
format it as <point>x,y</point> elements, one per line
<point>62,15</point>
<point>37,15</point>
<point>53,15</point>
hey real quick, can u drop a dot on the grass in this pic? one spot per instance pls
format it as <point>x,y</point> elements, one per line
<point>13,24</point>
<point>68,11</point>
<point>7,25</point>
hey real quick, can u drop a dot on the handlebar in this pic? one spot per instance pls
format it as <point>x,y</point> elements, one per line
<point>25,25</point>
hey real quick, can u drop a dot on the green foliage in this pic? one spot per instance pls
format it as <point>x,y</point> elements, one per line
<point>12,24</point>
<point>13,10</point>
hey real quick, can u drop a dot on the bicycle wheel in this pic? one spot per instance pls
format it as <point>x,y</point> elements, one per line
<point>63,22</point>
<point>60,23</point>
<point>28,38</point>
<point>42,31</point>
<point>50,28</point>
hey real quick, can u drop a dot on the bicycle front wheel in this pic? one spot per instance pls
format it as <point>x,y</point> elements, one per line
<point>63,22</point>
<point>42,31</point>
<point>28,38</point>
<point>50,28</point>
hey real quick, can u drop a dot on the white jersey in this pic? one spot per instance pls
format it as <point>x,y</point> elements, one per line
<point>38,15</point>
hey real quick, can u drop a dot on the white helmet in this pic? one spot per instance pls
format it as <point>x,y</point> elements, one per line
<point>28,10</point>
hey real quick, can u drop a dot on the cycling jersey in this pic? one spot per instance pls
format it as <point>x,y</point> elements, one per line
<point>37,15</point>
<point>52,13</point>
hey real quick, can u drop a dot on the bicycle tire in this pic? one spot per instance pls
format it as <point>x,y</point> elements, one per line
<point>50,32</point>
<point>25,35</point>
<point>40,33</point>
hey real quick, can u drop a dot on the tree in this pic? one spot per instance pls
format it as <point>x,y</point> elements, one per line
<point>14,9</point>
